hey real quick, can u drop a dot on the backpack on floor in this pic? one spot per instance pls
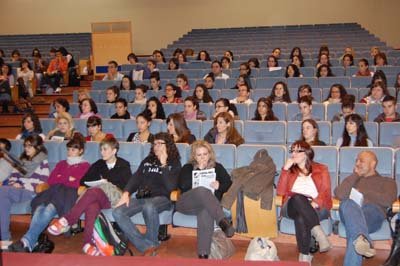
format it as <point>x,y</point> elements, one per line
<point>261,249</point>
<point>108,238</point>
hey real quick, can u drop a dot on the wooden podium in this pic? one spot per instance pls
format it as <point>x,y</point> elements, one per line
<point>110,41</point>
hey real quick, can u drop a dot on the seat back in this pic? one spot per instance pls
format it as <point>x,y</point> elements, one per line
<point>225,154</point>
<point>328,155</point>
<point>132,152</point>
<point>389,134</point>
<point>261,132</point>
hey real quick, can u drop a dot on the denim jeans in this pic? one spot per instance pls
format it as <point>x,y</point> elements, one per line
<point>8,196</point>
<point>358,221</point>
<point>40,219</point>
<point>150,208</point>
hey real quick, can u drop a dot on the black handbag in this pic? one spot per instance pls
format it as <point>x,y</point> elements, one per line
<point>44,245</point>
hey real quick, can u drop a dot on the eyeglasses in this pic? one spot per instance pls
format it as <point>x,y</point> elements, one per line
<point>158,143</point>
<point>296,151</point>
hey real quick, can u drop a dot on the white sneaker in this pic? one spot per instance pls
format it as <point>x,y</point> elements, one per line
<point>5,244</point>
<point>58,90</point>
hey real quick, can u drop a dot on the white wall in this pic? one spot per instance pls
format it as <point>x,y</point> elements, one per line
<point>157,23</point>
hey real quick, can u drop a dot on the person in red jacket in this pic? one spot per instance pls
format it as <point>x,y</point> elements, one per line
<point>57,67</point>
<point>306,189</point>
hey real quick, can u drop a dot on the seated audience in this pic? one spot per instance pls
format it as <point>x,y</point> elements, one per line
<point>223,105</point>
<point>21,185</point>
<point>5,95</point>
<point>280,93</point>
<point>336,94</point>
<point>7,75</point>
<point>243,95</point>
<point>204,202</point>
<point>354,133</point>
<point>254,62</point>
<point>305,107</point>
<point>209,81</point>
<point>156,177</point>
<point>26,73</point>
<point>242,79</point>
<point>363,69</point>
<point>310,133</point>
<point>121,110</point>
<point>112,71</point>
<point>83,94</point>
<point>112,94</point>
<point>57,68</point>
<point>15,56</point>
<point>182,82</point>
<point>132,59</point>
<point>30,127</point>
<point>376,94</point>
<point>64,129</point>
<point>228,54</point>
<point>323,59</point>
<point>380,60</point>
<point>203,55</point>
<point>363,217</point>
<point>347,60</point>
<point>348,107</point>
<point>178,129</point>
<point>143,134</point>
<point>158,56</point>
<point>298,61</point>
<point>155,107</point>
<point>95,133</point>
<point>192,110</point>
<point>226,62</point>
<point>127,84</point>
<point>224,131</point>
<point>140,94</point>
<point>324,71</point>
<point>276,53</point>
<point>306,189</point>
<point>155,82</point>
<point>245,69</point>
<point>117,172</point>
<point>304,90</point>
<point>87,108</point>
<point>201,94</point>
<point>59,105</point>
<point>173,64</point>
<point>292,71</point>
<point>374,51</point>
<point>171,96</point>
<point>272,63</point>
<point>216,69</point>
<point>389,114</point>
<point>264,110</point>
<point>58,199</point>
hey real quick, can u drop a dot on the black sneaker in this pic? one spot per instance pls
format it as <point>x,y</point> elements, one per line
<point>18,247</point>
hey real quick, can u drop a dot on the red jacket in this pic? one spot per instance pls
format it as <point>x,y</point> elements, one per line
<point>322,181</point>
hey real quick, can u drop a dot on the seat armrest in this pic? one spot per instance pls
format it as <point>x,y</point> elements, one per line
<point>41,187</point>
<point>396,206</point>
<point>335,204</point>
<point>175,194</point>
<point>278,201</point>
<point>81,190</point>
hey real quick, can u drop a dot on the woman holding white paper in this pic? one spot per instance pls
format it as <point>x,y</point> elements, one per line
<point>204,201</point>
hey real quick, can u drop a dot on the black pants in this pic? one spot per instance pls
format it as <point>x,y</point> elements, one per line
<point>305,218</point>
<point>53,80</point>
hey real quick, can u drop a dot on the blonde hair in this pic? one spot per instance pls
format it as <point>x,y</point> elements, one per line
<point>85,92</point>
<point>66,116</point>
<point>202,144</point>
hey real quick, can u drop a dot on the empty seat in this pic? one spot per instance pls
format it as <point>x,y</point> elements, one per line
<point>105,109</point>
<point>373,110</point>
<point>243,110</point>
<point>266,83</point>
<point>397,170</point>
<point>389,134</point>
<point>258,93</point>
<point>297,82</point>
<point>225,154</point>
<point>328,155</point>
<point>266,72</point>
<point>169,108</point>
<point>132,152</point>
<point>113,126</point>
<point>260,132</point>
<point>328,81</point>
<point>335,108</point>
<point>370,127</point>
<point>135,108</point>
<point>228,94</point>
<point>104,84</point>
<point>53,152</point>
<point>360,82</point>
<point>47,124</point>
<point>16,147</point>
<point>80,125</point>
<point>294,131</point>
<point>337,71</point>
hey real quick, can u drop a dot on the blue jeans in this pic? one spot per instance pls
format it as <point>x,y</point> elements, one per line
<point>358,221</point>
<point>8,196</point>
<point>150,208</point>
<point>40,219</point>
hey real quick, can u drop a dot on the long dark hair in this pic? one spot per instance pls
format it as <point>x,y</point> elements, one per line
<point>38,144</point>
<point>341,88</point>
<point>160,110</point>
<point>315,126</point>
<point>172,150</point>
<point>270,113</point>
<point>206,95</point>
<point>362,136</point>
<point>77,141</point>
<point>132,84</point>
<point>181,127</point>
<point>285,97</point>
<point>37,127</point>
<point>301,144</point>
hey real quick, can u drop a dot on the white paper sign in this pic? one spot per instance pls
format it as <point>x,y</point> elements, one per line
<point>357,196</point>
<point>203,178</point>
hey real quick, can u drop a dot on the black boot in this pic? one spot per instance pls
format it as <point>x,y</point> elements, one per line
<point>203,256</point>
<point>163,233</point>
<point>394,257</point>
<point>227,227</point>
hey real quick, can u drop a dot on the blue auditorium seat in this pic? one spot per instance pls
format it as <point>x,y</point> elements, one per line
<point>132,152</point>
<point>134,108</point>
<point>373,110</point>
<point>328,81</point>
<point>105,109</point>
<point>258,93</point>
<point>353,91</point>
<point>53,152</point>
<point>360,82</point>
<point>228,94</point>
<point>208,124</point>
<point>169,108</point>
<point>113,126</point>
<point>243,110</point>
<point>129,126</point>
<point>389,134</point>
<point>260,132</point>
<point>47,124</point>
<point>265,72</point>
<point>338,71</point>
<point>225,154</point>
<point>334,108</point>
<point>316,94</point>
<point>267,83</point>
<point>297,82</point>
<point>307,72</point>
<point>80,125</point>
<point>397,170</point>
<point>102,85</point>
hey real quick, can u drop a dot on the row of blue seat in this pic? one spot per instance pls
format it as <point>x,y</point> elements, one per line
<point>253,132</point>
<point>260,83</point>
<point>283,111</point>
